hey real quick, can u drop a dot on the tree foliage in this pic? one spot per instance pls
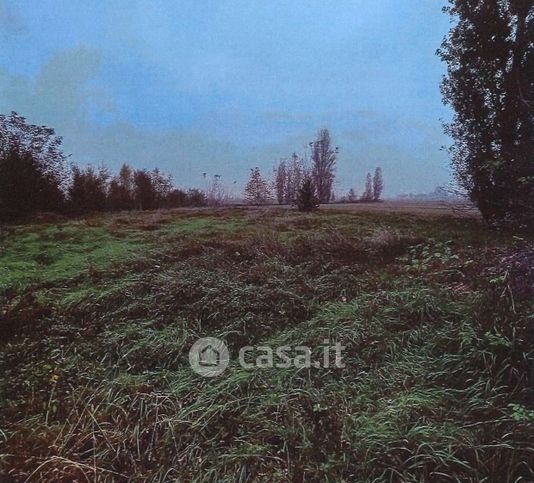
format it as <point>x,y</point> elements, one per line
<point>33,171</point>
<point>88,189</point>
<point>378,184</point>
<point>288,178</point>
<point>323,165</point>
<point>490,86</point>
<point>307,199</point>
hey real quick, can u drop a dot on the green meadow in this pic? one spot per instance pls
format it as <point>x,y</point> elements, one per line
<point>97,316</point>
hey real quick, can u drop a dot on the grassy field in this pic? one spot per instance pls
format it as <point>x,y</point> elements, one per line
<point>98,314</point>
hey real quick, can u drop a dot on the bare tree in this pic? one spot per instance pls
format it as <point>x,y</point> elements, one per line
<point>490,86</point>
<point>216,195</point>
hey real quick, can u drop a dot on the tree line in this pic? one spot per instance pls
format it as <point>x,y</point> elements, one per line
<point>35,176</point>
<point>292,175</point>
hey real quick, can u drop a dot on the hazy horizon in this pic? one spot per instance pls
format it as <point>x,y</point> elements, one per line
<point>223,86</point>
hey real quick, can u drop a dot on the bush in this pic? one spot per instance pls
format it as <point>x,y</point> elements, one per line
<point>307,200</point>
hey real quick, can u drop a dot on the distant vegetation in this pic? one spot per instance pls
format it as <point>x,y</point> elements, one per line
<point>291,174</point>
<point>35,176</point>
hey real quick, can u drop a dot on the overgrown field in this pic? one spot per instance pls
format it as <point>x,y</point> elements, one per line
<point>97,317</point>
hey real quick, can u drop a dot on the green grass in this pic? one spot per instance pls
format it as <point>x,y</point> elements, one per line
<point>99,316</point>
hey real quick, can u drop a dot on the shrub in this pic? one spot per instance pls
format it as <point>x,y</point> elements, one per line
<point>307,200</point>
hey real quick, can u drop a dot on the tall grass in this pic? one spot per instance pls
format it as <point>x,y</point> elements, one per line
<point>438,380</point>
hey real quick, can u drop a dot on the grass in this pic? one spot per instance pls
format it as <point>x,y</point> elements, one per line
<point>99,315</point>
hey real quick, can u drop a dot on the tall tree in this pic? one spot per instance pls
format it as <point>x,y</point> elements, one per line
<point>490,86</point>
<point>162,185</point>
<point>323,165</point>
<point>33,170</point>
<point>367,194</point>
<point>280,182</point>
<point>257,189</point>
<point>289,175</point>
<point>144,192</point>
<point>121,190</point>
<point>378,184</point>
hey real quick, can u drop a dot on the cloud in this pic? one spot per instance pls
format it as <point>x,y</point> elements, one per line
<point>63,95</point>
<point>11,22</point>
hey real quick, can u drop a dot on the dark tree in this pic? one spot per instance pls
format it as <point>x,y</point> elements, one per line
<point>177,198</point>
<point>490,86</point>
<point>88,190</point>
<point>257,189</point>
<point>24,188</point>
<point>307,199</point>
<point>289,175</point>
<point>33,170</point>
<point>378,184</point>
<point>323,165</point>
<point>162,185</point>
<point>196,198</point>
<point>121,190</point>
<point>144,192</point>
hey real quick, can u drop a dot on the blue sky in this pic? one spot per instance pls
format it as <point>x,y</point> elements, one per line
<point>221,86</point>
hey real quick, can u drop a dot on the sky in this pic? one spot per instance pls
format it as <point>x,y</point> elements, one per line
<point>222,86</point>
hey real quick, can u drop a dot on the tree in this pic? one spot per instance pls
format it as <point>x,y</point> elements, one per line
<point>296,172</point>
<point>352,197</point>
<point>162,184</point>
<point>368,192</point>
<point>490,86</point>
<point>177,198</point>
<point>33,171</point>
<point>24,188</point>
<point>40,141</point>
<point>323,165</point>
<point>307,199</point>
<point>196,198</point>
<point>216,195</point>
<point>257,189</point>
<point>378,184</point>
<point>88,190</point>
<point>121,190</point>
<point>288,179</point>
<point>280,182</point>
<point>144,192</point>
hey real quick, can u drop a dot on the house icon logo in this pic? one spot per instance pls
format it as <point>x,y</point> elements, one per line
<point>209,357</point>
